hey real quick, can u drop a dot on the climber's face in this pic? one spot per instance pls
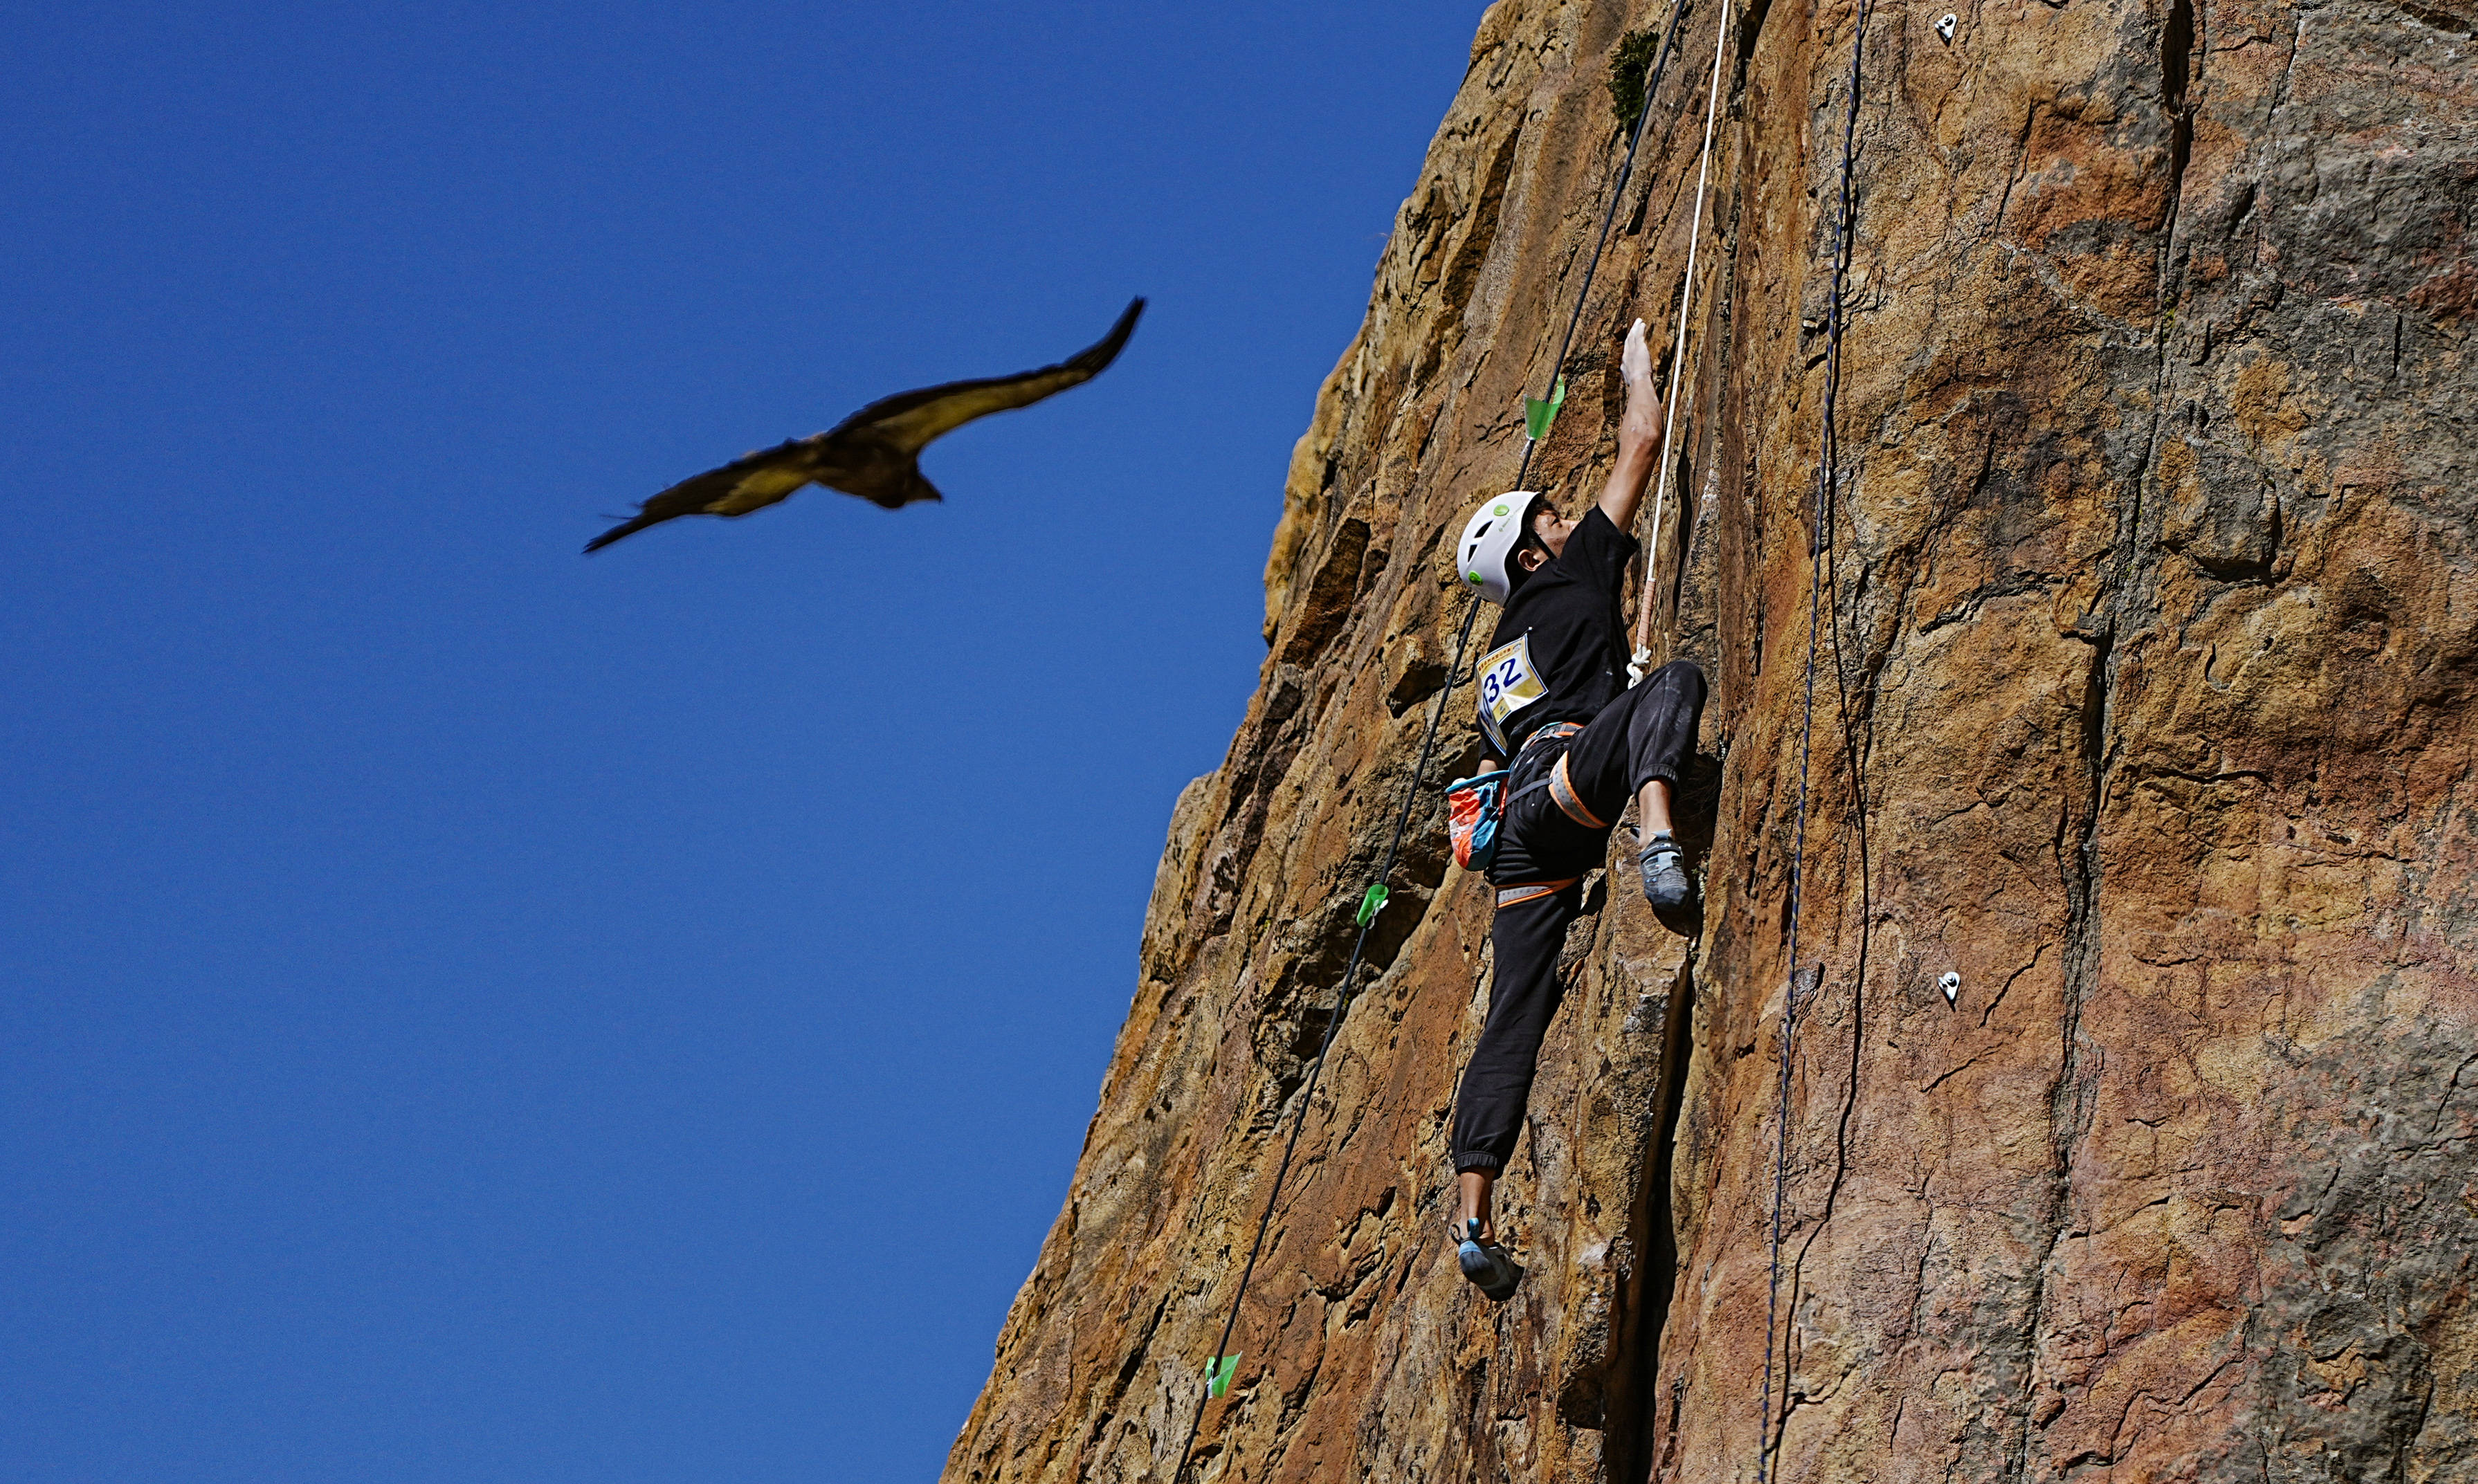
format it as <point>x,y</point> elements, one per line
<point>1551,531</point>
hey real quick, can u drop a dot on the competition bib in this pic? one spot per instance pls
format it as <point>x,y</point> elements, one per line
<point>1507,683</point>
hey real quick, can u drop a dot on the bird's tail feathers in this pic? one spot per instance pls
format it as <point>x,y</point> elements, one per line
<point>912,488</point>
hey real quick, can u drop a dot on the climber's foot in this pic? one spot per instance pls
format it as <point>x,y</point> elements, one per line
<point>1664,873</point>
<point>1491,1268</point>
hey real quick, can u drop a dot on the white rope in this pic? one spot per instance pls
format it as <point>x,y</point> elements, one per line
<point>1641,663</point>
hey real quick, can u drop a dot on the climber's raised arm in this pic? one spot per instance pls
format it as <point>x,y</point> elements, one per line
<point>1639,434</point>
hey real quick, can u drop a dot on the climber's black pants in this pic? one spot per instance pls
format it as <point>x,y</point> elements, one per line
<point>1648,732</point>
<point>1497,1082</point>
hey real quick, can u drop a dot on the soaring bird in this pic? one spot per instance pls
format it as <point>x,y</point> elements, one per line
<point>876,452</point>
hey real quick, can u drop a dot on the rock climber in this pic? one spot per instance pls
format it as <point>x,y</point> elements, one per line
<point>1578,745</point>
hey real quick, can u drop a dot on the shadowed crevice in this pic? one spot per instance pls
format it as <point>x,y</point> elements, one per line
<point>1635,1453</point>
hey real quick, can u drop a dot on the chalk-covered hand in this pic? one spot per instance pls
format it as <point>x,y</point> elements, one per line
<point>1635,363</point>
<point>1641,426</point>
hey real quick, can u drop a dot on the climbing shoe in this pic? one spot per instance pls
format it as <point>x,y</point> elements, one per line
<point>1491,1268</point>
<point>1664,873</point>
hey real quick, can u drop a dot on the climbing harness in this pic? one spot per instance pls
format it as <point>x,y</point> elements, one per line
<point>1476,808</point>
<point>1538,413</point>
<point>1820,542</point>
<point>1641,664</point>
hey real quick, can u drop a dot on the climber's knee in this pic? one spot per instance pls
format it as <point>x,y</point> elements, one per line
<point>1683,678</point>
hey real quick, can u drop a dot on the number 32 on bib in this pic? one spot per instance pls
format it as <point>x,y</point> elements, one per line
<point>1507,683</point>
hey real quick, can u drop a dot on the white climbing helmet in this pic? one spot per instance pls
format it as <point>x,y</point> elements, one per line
<point>1488,540</point>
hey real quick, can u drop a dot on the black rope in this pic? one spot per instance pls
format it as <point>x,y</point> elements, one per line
<point>1420,769</point>
<point>1819,541</point>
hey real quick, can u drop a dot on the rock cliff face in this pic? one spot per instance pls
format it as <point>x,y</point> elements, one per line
<point>2141,703</point>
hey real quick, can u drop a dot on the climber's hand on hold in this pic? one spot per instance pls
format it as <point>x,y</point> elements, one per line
<point>1637,368</point>
<point>1639,434</point>
<point>1643,410</point>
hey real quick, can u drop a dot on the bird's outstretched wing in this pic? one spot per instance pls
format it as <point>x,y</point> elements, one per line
<point>909,419</point>
<point>746,483</point>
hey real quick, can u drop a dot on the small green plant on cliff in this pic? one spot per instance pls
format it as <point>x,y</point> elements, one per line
<point>1628,65</point>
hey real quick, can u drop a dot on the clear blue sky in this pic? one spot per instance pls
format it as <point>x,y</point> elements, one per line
<point>476,1013</point>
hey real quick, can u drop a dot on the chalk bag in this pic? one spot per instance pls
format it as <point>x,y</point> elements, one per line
<point>1474,807</point>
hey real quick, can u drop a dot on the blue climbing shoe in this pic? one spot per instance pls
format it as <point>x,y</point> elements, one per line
<point>1664,873</point>
<point>1491,1268</point>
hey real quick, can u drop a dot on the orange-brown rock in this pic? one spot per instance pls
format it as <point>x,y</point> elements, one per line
<point>2149,628</point>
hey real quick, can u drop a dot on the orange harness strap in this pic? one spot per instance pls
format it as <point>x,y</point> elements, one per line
<point>1561,788</point>
<point>1531,891</point>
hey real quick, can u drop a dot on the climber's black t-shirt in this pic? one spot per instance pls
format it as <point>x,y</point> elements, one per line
<point>1562,640</point>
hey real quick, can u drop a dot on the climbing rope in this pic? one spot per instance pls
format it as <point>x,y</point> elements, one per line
<point>1641,664</point>
<point>1539,413</point>
<point>1820,542</point>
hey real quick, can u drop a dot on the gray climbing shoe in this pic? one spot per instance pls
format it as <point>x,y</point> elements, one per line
<point>1664,873</point>
<point>1491,1268</point>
